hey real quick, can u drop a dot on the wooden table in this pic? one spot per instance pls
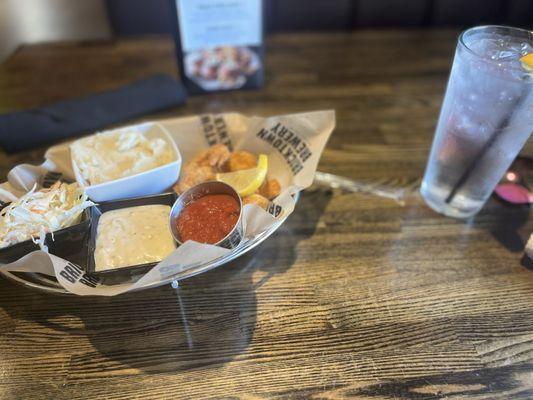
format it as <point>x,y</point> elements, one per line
<point>356,296</point>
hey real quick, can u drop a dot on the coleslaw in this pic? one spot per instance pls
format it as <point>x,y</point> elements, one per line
<point>37,213</point>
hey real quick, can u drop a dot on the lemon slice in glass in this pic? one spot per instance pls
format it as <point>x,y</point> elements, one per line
<point>527,62</point>
<point>246,181</point>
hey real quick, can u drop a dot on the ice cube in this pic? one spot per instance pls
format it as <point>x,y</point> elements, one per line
<point>525,49</point>
<point>506,55</point>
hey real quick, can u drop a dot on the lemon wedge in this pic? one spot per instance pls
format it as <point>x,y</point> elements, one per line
<point>246,181</point>
<point>527,62</point>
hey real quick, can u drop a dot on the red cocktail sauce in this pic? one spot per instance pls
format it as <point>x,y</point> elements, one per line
<point>208,219</point>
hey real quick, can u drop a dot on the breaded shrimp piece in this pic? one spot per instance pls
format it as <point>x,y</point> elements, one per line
<point>215,156</point>
<point>256,199</point>
<point>241,160</point>
<point>202,167</point>
<point>193,174</point>
<point>270,188</point>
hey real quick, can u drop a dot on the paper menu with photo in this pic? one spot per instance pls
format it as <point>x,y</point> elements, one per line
<point>293,144</point>
<point>219,43</point>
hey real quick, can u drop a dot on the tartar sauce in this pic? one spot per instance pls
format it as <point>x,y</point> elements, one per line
<point>133,236</point>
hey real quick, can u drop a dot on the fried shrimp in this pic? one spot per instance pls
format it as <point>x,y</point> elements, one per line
<point>206,164</point>
<point>192,175</point>
<point>256,199</point>
<point>202,167</point>
<point>241,160</point>
<point>215,156</point>
<point>270,188</point>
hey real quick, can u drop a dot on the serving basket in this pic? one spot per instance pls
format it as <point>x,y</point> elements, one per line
<point>293,144</point>
<point>50,285</point>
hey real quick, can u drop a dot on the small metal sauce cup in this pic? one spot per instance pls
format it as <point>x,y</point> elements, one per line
<point>234,237</point>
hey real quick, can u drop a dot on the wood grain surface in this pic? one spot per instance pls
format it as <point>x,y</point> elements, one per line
<point>355,297</point>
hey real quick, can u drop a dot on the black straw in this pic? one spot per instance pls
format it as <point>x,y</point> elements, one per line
<point>477,159</point>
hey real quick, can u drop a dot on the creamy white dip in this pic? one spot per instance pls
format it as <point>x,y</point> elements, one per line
<point>133,236</point>
<point>107,156</point>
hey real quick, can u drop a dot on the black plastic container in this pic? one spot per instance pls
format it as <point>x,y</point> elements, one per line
<point>69,243</point>
<point>99,209</point>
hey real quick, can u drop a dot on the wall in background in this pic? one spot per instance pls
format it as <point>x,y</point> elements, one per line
<point>9,33</point>
<point>134,17</point>
<point>30,21</point>
<point>129,17</point>
<point>33,21</point>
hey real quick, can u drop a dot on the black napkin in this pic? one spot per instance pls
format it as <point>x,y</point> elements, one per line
<point>25,129</point>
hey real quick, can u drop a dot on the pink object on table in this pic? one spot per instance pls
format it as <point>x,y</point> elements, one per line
<point>514,193</point>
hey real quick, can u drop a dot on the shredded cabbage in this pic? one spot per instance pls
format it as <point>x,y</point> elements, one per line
<point>37,213</point>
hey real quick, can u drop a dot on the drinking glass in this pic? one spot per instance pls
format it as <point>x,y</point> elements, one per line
<point>485,119</point>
